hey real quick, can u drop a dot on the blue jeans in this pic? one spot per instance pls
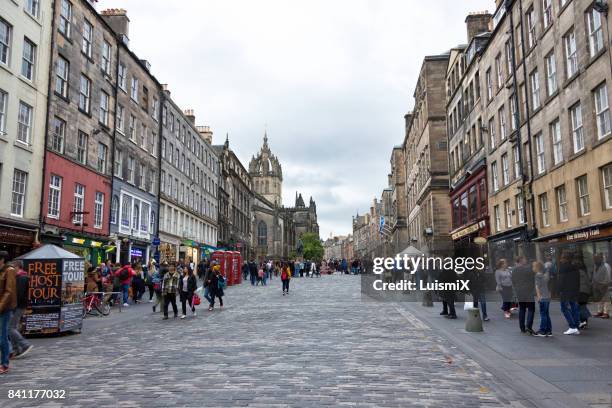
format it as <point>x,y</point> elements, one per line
<point>481,300</point>
<point>571,312</point>
<point>126,291</point>
<point>5,350</point>
<point>545,322</point>
<point>210,299</point>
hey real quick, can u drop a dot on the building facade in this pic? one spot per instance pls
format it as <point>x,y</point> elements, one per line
<point>188,186</point>
<point>426,160</point>
<point>78,167</point>
<point>135,157</point>
<point>235,201</point>
<point>466,138</point>
<point>25,38</point>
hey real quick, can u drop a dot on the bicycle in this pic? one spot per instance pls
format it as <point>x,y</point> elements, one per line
<point>94,305</point>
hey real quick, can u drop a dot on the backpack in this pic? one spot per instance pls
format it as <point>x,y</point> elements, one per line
<point>284,275</point>
<point>260,273</point>
<point>221,282</point>
<point>123,274</point>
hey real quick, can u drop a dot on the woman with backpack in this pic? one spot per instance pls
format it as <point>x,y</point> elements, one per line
<point>216,286</point>
<point>124,276</point>
<point>260,275</point>
<point>187,287</point>
<point>285,278</point>
<point>156,283</point>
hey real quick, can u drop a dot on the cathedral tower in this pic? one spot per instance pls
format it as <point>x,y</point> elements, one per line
<point>267,175</point>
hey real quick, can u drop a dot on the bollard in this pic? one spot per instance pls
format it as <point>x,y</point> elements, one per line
<point>473,323</point>
<point>427,299</point>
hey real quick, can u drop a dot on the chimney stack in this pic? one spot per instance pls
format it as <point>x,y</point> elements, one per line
<point>477,23</point>
<point>166,89</point>
<point>190,115</point>
<point>206,133</point>
<point>408,119</point>
<point>119,22</point>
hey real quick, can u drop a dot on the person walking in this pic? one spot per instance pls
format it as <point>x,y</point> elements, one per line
<point>217,284</point>
<point>156,281</point>
<point>285,278</point>
<point>569,285</point>
<point>601,282</point>
<point>448,296</point>
<point>152,267</point>
<point>8,303</point>
<point>187,287</point>
<point>503,279</point>
<point>253,272</point>
<point>138,283</point>
<point>477,288</point>
<point>523,281</point>
<point>170,289</point>
<point>124,276</point>
<point>584,293</point>
<point>19,344</point>
<point>245,270</point>
<point>260,275</point>
<point>542,282</point>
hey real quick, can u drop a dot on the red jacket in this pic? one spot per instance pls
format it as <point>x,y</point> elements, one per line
<point>130,274</point>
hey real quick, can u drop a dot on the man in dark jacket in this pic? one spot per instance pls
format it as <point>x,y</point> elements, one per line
<point>8,303</point>
<point>20,345</point>
<point>569,286</point>
<point>523,282</point>
<point>448,296</point>
<point>253,272</point>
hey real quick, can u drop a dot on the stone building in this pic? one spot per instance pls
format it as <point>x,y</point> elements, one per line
<point>399,200</point>
<point>135,157</point>
<point>188,186</point>
<point>276,229</point>
<point>25,38</point>
<point>361,235</point>
<point>80,130</point>
<point>426,159</point>
<point>466,137</point>
<point>235,202</point>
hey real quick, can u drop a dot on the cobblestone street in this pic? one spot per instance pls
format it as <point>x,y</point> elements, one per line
<point>321,345</point>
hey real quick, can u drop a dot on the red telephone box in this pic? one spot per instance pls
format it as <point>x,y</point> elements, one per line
<point>219,257</point>
<point>238,259</point>
<point>229,275</point>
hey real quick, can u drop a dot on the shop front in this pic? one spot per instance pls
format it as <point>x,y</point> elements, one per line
<point>90,249</point>
<point>16,240</point>
<point>133,251</point>
<point>582,242</point>
<point>189,251</point>
<point>168,248</point>
<point>510,244</point>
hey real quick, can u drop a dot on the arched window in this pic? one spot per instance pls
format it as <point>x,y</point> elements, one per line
<point>114,210</point>
<point>262,234</point>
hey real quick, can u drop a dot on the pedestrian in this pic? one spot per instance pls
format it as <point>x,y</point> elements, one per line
<point>503,279</point>
<point>285,278</point>
<point>170,289</point>
<point>542,282</point>
<point>253,272</point>
<point>149,278</point>
<point>584,293</point>
<point>201,269</point>
<point>217,284</point>
<point>523,282</point>
<point>124,276</point>
<point>477,287</point>
<point>448,296</point>
<point>245,270</point>
<point>19,344</point>
<point>138,283</point>
<point>569,285</point>
<point>8,303</point>
<point>260,276</point>
<point>313,269</point>
<point>156,281</point>
<point>601,282</point>
<point>187,287</point>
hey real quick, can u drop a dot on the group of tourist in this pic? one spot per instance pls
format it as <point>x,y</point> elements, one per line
<point>528,283</point>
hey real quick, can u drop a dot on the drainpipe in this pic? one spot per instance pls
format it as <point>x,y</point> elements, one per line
<point>49,93</point>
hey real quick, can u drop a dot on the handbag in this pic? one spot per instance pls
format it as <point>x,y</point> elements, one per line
<point>196,300</point>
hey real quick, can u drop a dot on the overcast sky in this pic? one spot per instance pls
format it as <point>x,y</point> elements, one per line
<point>331,80</point>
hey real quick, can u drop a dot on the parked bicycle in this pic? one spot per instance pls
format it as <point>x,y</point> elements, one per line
<point>96,304</point>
